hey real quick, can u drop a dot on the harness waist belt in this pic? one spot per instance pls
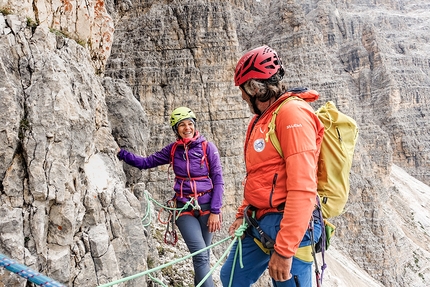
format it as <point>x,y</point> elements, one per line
<point>265,239</point>
<point>192,178</point>
<point>192,195</point>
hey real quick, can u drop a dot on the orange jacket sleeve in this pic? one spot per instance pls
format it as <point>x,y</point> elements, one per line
<point>300,134</point>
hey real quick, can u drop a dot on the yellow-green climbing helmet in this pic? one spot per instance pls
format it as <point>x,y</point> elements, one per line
<point>180,114</point>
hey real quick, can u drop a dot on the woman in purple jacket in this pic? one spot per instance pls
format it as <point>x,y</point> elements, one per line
<point>198,178</point>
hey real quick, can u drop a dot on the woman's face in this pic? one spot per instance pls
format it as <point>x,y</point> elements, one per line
<point>186,129</point>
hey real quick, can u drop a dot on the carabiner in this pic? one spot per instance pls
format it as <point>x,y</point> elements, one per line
<point>171,237</point>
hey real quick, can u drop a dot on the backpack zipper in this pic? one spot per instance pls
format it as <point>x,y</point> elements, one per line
<point>339,137</point>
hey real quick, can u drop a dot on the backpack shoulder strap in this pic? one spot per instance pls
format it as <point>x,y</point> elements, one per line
<point>272,126</point>
<point>172,153</point>
<point>205,157</point>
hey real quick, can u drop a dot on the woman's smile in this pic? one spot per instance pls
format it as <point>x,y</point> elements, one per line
<point>186,128</point>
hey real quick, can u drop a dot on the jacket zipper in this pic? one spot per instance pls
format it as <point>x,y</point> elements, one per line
<point>275,177</point>
<point>187,162</point>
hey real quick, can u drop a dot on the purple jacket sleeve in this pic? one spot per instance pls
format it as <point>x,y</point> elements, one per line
<point>158,158</point>
<point>215,174</point>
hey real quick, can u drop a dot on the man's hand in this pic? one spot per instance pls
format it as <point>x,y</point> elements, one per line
<point>235,225</point>
<point>280,267</point>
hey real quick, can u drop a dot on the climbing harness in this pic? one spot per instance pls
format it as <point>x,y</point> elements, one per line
<point>193,185</point>
<point>265,242</point>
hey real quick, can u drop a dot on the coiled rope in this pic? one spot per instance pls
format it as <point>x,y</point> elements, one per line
<point>147,218</point>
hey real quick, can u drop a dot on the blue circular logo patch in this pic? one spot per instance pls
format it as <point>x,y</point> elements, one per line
<point>259,145</point>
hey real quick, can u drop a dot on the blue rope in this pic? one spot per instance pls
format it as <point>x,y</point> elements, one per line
<point>27,273</point>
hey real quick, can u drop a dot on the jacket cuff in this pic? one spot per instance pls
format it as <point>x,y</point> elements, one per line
<point>119,155</point>
<point>282,256</point>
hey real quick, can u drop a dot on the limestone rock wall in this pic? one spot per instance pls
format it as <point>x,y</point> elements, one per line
<point>65,211</point>
<point>87,22</point>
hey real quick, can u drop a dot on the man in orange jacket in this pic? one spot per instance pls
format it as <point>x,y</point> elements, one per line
<point>279,192</point>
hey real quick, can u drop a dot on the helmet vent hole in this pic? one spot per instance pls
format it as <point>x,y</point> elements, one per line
<point>266,61</point>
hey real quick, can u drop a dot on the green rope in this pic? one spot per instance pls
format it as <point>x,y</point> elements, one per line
<point>187,204</point>
<point>149,198</point>
<point>162,266</point>
<point>148,215</point>
<point>156,280</point>
<point>148,210</point>
<point>185,207</point>
<point>219,261</point>
<point>195,206</point>
<point>238,234</point>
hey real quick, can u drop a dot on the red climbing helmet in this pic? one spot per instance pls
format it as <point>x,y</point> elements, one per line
<point>259,63</point>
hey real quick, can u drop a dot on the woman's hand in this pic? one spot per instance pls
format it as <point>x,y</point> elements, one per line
<point>214,222</point>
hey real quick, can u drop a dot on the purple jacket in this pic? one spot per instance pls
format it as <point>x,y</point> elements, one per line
<point>209,182</point>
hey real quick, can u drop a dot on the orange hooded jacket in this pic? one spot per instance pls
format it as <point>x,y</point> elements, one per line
<point>272,180</point>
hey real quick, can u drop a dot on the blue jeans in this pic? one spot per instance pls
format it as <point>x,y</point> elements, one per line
<point>196,235</point>
<point>255,261</point>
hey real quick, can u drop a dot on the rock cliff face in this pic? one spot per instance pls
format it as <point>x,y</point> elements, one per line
<point>80,78</point>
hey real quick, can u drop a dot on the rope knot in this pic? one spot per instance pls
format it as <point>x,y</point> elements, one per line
<point>240,230</point>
